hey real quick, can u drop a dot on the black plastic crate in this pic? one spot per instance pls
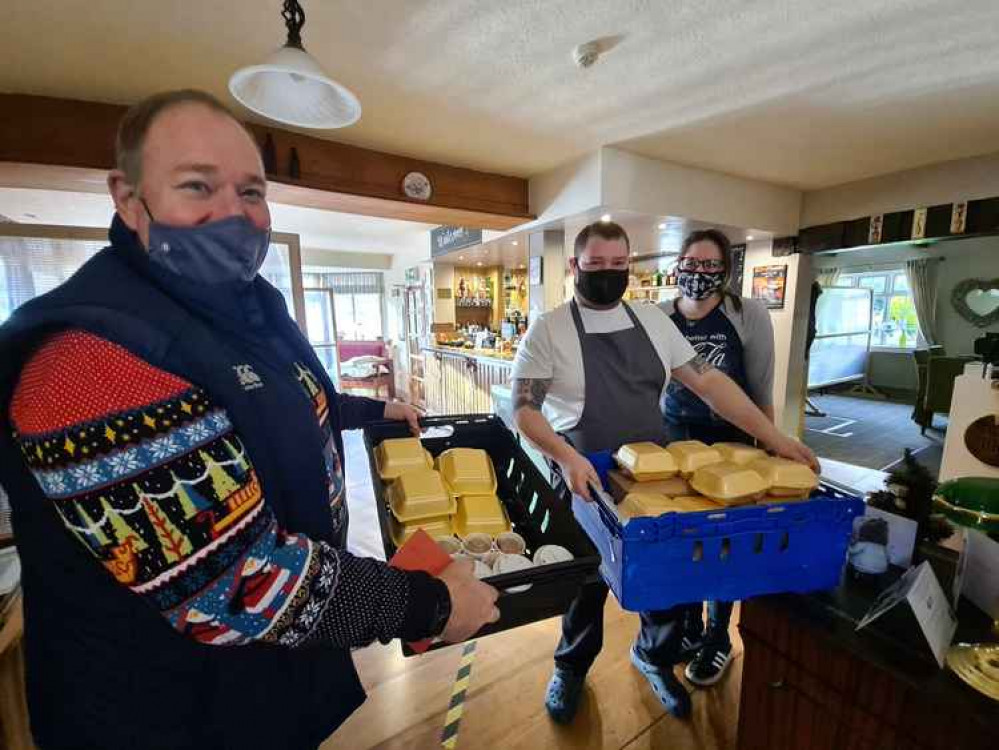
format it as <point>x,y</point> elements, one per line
<point>533,508</point>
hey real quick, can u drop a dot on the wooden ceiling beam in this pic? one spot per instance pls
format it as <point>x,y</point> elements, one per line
<point>38,131</point>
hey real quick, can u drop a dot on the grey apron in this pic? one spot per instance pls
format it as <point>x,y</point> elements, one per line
<point>624,379</point>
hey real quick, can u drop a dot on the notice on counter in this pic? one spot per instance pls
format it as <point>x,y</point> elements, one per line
<point>980,566</point>
<point>917,598</point>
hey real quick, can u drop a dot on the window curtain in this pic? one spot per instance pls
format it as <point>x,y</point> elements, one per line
<point>827,276</point>
<point>345,283</point>
<point>921,273</point>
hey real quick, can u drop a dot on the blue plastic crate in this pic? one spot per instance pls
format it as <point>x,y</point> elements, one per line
<point>724,555</point>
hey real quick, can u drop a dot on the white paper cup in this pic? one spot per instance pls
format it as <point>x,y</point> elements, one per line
<point>550,554</point>
<point>511,564</point>
<point>477,545</point>
<point>511,543</point>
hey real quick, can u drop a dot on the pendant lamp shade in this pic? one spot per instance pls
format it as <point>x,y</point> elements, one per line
<point>291,87</point>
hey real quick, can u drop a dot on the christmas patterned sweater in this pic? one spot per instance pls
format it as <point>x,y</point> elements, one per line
<point>149,475</point>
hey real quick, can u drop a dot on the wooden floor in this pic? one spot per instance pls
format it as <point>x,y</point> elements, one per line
<point>408,698</point>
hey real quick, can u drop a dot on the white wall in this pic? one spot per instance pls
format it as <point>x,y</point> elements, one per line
<point>638,183</point>
<point>315,256</point>
<point>789,324</point>
<point>570,189</point>
<point>967,179</point>
<point>443,279</point>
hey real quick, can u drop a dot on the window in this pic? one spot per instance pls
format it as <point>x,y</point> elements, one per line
<point>894,323</point>
<point>358,316</point>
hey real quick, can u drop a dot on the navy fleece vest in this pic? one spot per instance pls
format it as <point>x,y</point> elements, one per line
<point>104,669</point>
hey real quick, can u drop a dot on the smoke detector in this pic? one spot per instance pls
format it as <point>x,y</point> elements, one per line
<point>585,55</point>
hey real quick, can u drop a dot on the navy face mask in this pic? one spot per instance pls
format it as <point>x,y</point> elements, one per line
<point>222,251</point>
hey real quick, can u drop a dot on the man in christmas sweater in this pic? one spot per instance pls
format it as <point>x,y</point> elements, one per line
<point>171,447</point>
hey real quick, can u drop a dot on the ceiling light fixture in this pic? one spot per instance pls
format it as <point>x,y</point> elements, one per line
<point>478,263</point>
<point>749,237</point>
<point>605,218</point>
<point>461,257</point>
<point>663,225</point>
<point>515,243</point>
<point>291,87</point>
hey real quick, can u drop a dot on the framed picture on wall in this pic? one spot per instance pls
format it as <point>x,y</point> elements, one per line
<point>769,283</point>
<point>534,271</point>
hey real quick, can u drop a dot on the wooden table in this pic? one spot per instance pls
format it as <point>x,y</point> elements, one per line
<point>14,731</point>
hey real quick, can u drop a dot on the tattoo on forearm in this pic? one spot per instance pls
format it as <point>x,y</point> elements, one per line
<point>700,365</point>
<point>530,392</point>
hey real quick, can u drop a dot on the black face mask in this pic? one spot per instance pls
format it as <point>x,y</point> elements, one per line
<point>602,287</point>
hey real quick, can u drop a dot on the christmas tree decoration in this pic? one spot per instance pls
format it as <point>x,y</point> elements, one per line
<point>174,545</point>
<point>191,501</point>
<point>95,535</point>
<point>122,531</point>
<point>222,484</point>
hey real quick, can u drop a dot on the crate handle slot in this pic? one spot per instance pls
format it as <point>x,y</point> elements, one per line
<point>726,548</point>
<point>698,551</point>
<point>437,431</point>
<point>785,541</point>
<point>758,544</point>
<point>776,509</point>
<point>716,517</point>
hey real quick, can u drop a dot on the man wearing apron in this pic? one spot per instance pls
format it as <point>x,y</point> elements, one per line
<point>599,367</point>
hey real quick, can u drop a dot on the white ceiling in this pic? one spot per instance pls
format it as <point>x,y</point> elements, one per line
<point>804,92</point>
<point>317,229</point>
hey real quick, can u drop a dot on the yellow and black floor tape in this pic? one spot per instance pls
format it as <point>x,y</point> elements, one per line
<point>452,721</point>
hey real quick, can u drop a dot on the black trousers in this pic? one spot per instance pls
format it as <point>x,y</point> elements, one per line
<point>659,636</point>
<point>658,640</point>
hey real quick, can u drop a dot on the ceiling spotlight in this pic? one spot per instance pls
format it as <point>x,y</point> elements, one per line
<point>461,257</point>
<point>515,243</point>
<point>605,218</point>
<point>749,237</point>
<point>478,263</point>
<point>663,225</point>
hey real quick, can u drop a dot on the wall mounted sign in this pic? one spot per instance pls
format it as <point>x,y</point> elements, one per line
<point>982,439</point>
<point>959,218</point>
<point>769,284</point>
<point>874,232</point>
<point>535,275</point>
<point>919,223</point>
<point>447,238</point>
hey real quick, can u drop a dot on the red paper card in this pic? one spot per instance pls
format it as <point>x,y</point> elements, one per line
<point>421,553</point>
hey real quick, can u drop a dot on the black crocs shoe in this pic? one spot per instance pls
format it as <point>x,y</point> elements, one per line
<point>564,691</point>
<point>709,665</point>
<point>669,690</point>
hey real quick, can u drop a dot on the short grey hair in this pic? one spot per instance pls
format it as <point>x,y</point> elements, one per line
<point>135,124</point>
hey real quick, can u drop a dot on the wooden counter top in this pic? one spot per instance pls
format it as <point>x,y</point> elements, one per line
<point>489,354</point>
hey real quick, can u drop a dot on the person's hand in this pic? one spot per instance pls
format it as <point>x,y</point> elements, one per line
<point>579,474</point>
<point>796,451</point>
<point>401,412</point>
<point>473,603</point>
